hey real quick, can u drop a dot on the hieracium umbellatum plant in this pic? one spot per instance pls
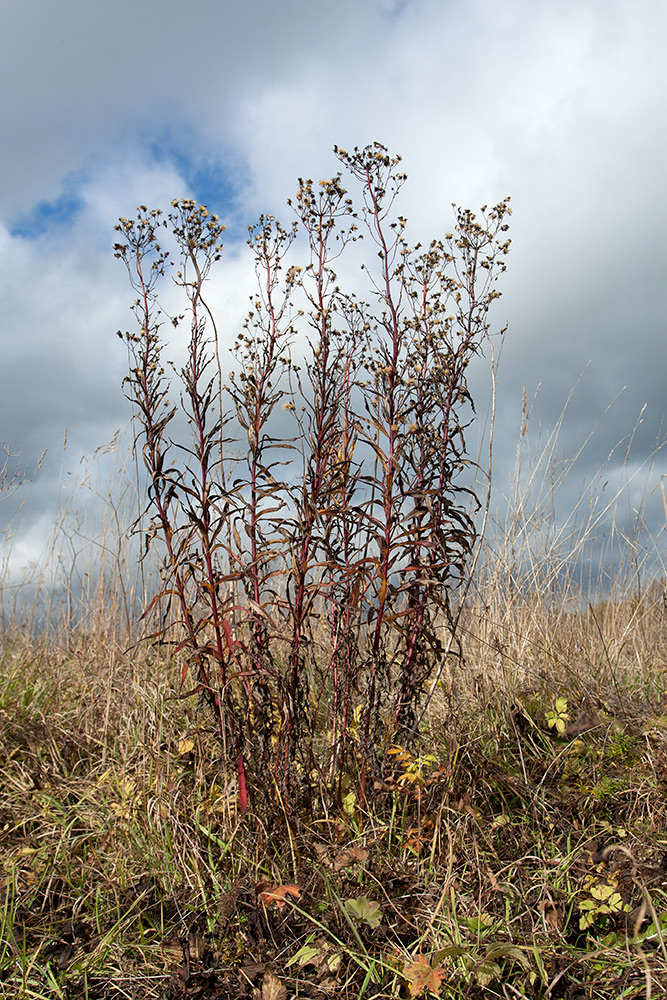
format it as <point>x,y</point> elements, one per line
<point>317,520</point>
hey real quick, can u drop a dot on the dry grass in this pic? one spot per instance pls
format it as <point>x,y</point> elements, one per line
<point>517,851</point>
<point>127,871</point>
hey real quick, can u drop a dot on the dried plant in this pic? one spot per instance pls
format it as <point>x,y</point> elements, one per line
<point>313,578</point>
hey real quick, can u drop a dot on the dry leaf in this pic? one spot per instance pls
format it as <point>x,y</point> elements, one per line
<point>551,915</point>
<point>355,855</point>
<point>323,853</point>
<point>420,975</point>
<point>415,840</point>
<point>277,894</point>
<point>172,950</point>
<point>252,969</point>
<point>196,946</point>
<point>272,988</point>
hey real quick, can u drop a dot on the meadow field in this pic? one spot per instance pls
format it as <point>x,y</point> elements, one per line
<point>518,848</point>
<point>295,708</point>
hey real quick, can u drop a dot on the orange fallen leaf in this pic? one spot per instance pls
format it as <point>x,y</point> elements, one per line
<point>420,976</point>
<point>276,893</point>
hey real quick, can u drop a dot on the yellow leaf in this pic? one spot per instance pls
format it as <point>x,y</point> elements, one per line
<point>349,803</point>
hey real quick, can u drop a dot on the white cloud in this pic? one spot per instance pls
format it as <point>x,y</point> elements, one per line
<point>556,104</point>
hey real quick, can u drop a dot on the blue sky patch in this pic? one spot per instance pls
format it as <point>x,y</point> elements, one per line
<point>47,215</point>
<point>208,180</point>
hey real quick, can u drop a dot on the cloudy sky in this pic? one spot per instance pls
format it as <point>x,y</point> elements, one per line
<point>558,103</point>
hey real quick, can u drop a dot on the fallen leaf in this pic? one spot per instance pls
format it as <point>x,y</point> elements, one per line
<point>196,946</point>
<point>276,893</point>
<point>171,950</point>
<point>420,976</point>
<point>552,917</point>
<point>351,857</point>
<point>272,988</point>
<point>252,969</point>
<point>415,840</point>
